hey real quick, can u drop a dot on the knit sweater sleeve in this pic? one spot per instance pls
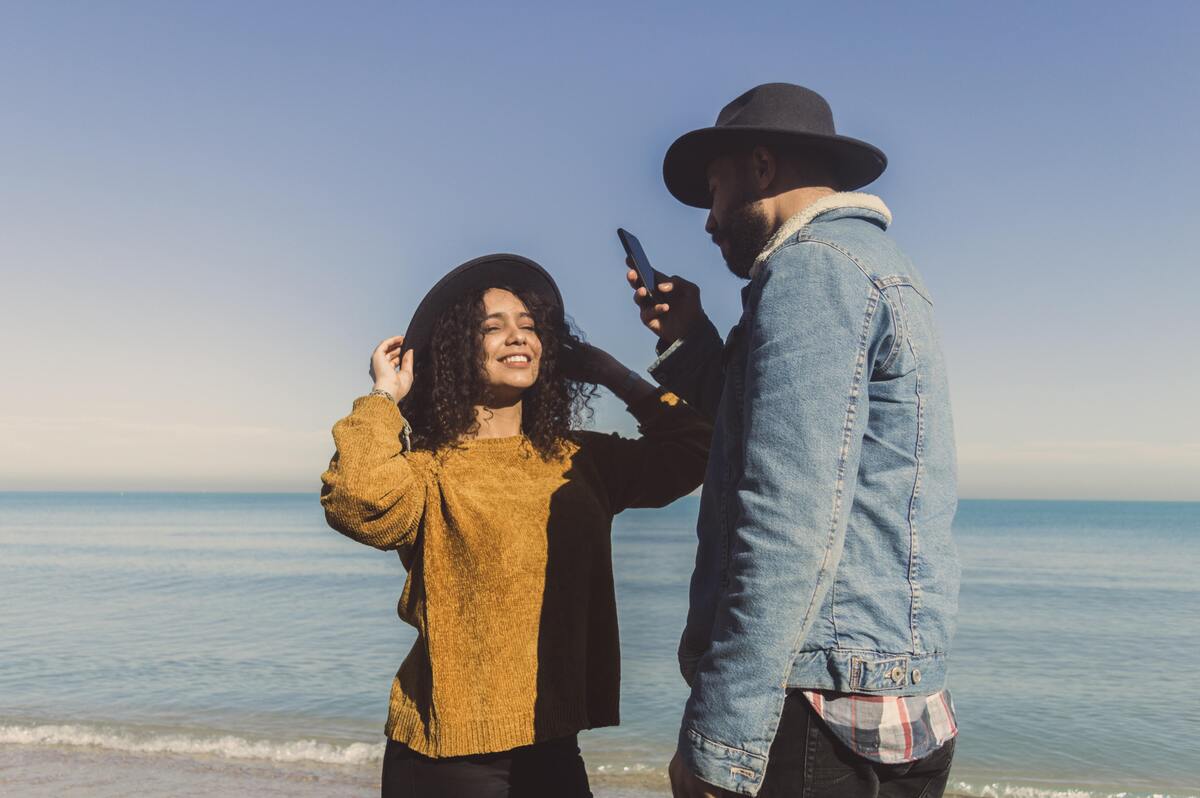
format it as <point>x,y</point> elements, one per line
<point>372,491</point>
<point>666,462</point>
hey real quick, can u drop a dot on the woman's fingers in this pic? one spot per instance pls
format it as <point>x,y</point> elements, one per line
<point>392,367</point>
<point>385,354</point>
<point>405,372</point>
<point>388,344</point>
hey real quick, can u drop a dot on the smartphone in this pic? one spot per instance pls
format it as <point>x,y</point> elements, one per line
<point>633,248</point>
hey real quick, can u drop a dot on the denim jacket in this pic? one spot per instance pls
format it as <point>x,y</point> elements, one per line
<point>825,559</point>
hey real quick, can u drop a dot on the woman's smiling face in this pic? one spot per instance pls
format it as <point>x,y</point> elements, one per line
<point>512,350</point>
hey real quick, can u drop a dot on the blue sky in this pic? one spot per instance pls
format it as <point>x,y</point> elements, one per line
<point>211,212</point>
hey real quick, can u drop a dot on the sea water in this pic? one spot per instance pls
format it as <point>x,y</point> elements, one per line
<point>187,637</point>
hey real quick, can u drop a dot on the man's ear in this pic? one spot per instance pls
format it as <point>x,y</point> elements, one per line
<point>765,167</point>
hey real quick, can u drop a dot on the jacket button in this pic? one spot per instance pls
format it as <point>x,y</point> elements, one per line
<point>916,676</point>
<point>897,674</point>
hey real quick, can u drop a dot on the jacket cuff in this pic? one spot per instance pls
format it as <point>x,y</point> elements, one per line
<point>728,768</point>
<point>688,354</point>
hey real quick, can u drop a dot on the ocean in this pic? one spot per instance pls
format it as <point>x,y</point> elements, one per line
<point>230,644</point>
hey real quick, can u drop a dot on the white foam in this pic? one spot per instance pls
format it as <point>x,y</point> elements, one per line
<point>312,751</point>
<point>228,746</point>
<point>1001,790</point>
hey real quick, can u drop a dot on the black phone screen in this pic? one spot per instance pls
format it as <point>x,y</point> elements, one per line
<point>633,248</point>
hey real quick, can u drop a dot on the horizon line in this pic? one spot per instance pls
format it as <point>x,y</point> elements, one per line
<point>317,493</point>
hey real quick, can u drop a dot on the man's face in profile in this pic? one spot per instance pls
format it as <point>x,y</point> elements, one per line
<point>737,221</point>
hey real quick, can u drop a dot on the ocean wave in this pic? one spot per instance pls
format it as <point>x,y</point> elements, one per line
<point>1002,790</point>
<point>228,746</point>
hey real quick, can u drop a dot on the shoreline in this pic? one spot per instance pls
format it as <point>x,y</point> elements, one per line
<point>41,770</point>
<point>34,771</point>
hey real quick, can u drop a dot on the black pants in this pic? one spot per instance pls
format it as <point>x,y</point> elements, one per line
<point>552,768</point>
<point>807,761</point>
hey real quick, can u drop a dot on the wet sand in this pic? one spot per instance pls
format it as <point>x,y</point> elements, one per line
<point>79,772</point>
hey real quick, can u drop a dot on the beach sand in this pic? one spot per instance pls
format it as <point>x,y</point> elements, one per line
<point>84,772</point>
<point>41,771</point>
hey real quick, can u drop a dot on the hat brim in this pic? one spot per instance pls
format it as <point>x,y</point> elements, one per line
<point>489,271</point>
<point>855,163</point>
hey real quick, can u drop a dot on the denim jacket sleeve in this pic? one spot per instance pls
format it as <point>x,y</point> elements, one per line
<point>813,328</point>
<point>692,368</point>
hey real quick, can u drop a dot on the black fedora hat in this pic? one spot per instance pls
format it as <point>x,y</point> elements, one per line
<point>782,114</point>
<point>489,271</point>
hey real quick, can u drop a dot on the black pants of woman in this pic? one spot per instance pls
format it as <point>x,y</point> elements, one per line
<point>551,768</point>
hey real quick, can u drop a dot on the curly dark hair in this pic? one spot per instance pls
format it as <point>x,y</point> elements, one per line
<point>449,379</point>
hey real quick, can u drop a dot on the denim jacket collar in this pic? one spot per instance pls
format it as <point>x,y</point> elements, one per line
<point>831,202</point>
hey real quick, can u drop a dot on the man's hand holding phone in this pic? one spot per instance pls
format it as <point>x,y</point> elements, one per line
<point>673,309</point>
<point>671,305</point>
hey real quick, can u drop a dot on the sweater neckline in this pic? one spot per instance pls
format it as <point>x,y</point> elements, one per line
<point>506,441</point>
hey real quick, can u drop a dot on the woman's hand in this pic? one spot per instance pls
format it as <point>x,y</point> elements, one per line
<point>391,372</point>
<point>586,363</point>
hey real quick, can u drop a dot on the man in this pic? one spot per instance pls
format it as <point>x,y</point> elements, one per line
<point>826,581</point>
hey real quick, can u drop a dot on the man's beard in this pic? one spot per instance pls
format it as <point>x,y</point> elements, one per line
<point>746,233</point>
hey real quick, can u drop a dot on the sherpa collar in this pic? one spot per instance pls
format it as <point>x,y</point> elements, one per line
<point>830,202</point>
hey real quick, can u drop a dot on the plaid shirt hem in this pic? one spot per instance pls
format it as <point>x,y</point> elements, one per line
<point>887,729</point>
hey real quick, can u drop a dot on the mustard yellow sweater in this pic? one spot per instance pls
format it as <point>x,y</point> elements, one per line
<point>509,564</point>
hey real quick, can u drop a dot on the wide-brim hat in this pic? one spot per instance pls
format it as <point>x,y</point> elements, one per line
<point>779,114</point>
<point>489,271</point>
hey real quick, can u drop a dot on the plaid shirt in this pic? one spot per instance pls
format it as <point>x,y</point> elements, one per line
<point>887,729</point>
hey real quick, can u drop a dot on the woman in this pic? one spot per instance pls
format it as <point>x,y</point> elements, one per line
<point>464,460</point>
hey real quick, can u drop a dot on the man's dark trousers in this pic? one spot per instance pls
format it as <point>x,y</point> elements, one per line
<point>807,761</point>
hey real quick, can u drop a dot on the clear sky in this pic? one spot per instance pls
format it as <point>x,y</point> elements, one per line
<point>210,212</point>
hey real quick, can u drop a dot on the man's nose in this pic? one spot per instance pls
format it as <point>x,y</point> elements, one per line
<point>710,224</point>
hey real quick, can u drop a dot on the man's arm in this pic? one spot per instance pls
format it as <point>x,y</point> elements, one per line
<point>815,324</point>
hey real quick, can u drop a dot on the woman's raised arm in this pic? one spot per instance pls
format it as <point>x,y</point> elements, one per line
<point>669,458</point>
<point>371,491</point>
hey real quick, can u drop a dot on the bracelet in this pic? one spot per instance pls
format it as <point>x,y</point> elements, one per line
<point>382,392</point>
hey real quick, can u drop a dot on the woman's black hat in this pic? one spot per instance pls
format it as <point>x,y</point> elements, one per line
<point>781,114</point>
<point>490,271</point>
